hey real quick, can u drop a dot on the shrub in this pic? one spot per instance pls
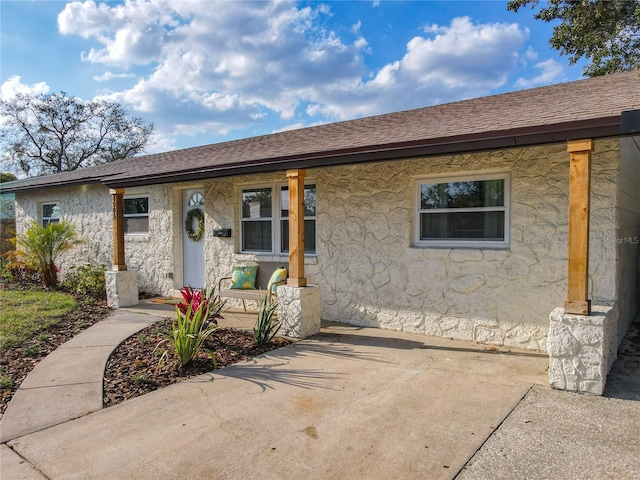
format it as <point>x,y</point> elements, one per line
<point>86,280</point>
<point>266,326</point>
<point>41,247</point>
<point>5,274</point>
<point>14,268</point>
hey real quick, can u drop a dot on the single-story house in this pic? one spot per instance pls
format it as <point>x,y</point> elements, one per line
<point>510,220</point>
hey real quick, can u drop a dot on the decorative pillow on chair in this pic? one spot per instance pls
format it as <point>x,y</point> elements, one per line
<point>244,277</point>
<point>279,275</point>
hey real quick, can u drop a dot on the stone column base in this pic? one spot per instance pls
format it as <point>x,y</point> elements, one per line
<point>122,288</point>
<point>581,349</point>
<point>299,310</point>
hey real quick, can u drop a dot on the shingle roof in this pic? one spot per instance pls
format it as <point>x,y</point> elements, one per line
<point>586,108</point>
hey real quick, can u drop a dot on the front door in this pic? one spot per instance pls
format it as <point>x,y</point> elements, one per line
<point>193,238</point>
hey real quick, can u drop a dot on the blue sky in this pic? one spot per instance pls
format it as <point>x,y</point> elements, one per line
<point>208,71</point>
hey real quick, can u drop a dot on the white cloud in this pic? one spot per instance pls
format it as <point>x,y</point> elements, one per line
<point>453,62</point>
<point>130,33</point>
<point>531,54</point>
<point>297,126</point>
<point>216,67</point>
<point>108,76</point>
<point>551,71</point>
<point>159,143</point>
<point>13,85</point>
<point>245,57</point>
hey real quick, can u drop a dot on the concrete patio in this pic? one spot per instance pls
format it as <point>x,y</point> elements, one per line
<point>356,403</point>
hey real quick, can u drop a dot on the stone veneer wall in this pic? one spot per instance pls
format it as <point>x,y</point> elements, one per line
<point>580,354</point>
<point>370,274</point>
<point>582,349</point>
<point>366,267</point>
<point>89,208</point>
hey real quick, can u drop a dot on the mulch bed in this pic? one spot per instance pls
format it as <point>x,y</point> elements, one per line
<point>132,369</point>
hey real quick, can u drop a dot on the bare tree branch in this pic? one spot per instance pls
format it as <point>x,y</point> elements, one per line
<point>55,133</point>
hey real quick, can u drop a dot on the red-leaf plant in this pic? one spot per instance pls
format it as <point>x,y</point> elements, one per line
<point>195,297</point>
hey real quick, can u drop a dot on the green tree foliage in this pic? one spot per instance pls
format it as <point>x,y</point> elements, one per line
<point>7,177</point>
<point>42,246</point>
<point>7,200</point>
<point>55,133</point>
<point>605,31</point>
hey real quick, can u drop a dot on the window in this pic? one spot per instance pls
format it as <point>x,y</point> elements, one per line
<point>265,229</point>
<point>136,215</point>
<point>463,211</point>
<point>197,199</point>
<point>50,213</point>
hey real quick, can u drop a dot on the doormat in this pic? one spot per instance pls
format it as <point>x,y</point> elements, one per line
<point>167,300</point>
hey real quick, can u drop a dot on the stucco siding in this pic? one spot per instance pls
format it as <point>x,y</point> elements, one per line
<point>371,274</point>
<point>89,209</point>
<point>628,234</point>
<point>152,254</point>
<point>367,267</point>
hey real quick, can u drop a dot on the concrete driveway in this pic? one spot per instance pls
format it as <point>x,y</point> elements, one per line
<point>350,403</point>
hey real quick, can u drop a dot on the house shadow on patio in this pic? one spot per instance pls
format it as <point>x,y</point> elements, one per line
<point>623,381</point>
<point>325,360</point>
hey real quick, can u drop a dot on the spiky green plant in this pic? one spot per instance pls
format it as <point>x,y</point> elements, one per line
<point>189,332</point>
<point>267,325</point>
<point>42,246</point>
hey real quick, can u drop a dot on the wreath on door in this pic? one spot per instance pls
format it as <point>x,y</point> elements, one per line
<point>197,215</point>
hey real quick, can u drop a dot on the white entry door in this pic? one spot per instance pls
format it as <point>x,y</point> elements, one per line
<point>192,248</point>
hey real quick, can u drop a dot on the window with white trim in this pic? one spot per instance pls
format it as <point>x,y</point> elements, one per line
<point>265,229</point>
<point>50,213</point>
<point>136,215</point>
<point>469,211</point>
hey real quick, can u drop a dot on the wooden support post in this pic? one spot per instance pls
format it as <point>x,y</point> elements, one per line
<point>579,192</point>
<point>117,202</point>
<point>296,228</point>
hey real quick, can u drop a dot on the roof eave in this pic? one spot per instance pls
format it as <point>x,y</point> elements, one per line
<point>51,184</point>
<point>529,136</point>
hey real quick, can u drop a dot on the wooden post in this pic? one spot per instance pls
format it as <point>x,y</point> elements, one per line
<point>117,202</point>
<point>579,192</point>
<point>296,228</point>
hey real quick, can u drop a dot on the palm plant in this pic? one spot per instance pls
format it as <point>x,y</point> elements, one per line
<point>42,246</point>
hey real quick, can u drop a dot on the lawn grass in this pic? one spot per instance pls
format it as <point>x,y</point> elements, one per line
<point>23,313</point>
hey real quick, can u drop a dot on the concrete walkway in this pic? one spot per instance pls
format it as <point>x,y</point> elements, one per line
<point>67,383</point>
<point>354,403</point>
<point>562,435</point>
